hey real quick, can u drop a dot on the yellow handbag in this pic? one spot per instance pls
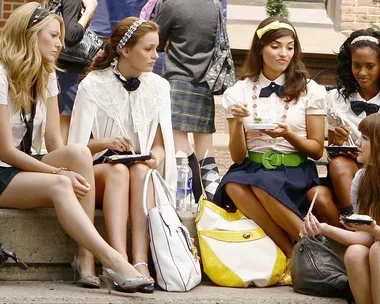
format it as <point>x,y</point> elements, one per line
<point>235,251</point>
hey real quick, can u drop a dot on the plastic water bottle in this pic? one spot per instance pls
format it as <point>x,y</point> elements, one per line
<point>184,186</point>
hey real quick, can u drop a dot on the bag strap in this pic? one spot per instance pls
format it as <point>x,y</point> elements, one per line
<point>145,191</point>
<point>160,184</point>
<point>160,189</point>
<point>221,26</point>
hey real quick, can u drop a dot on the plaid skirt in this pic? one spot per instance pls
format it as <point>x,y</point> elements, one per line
<point>193,108</point>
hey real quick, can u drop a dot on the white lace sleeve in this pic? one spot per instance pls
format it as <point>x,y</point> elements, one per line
<point>82,118</point>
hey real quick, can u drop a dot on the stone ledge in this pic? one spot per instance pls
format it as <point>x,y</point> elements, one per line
<point>38,239</point>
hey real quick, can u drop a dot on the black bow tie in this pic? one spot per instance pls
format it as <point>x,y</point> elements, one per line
<point>359,107</point>
<point>131,84</point>
<point>272,88</point>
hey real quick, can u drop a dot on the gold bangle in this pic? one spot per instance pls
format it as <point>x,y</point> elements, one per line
<point>56,170</point>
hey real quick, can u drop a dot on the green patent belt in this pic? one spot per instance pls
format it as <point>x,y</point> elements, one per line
<point>272,159</point>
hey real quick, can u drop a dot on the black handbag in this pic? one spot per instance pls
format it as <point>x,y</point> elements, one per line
<point>85,50</point>
<point>317,270</point>
<point>221,72</point>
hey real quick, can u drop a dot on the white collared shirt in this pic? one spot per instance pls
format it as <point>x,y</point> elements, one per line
<point>272,108</point>
<point>337,106</point>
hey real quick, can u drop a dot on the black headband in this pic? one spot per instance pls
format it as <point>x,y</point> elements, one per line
<point>38,15</point>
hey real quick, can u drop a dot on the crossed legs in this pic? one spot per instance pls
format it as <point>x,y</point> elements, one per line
<point>274,218</point>
<point>58,192</point>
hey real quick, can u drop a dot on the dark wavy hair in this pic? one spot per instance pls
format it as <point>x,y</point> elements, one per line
<point>369,190</point>
<point>104,61</point>
<point>346,81</point>
<point>296,73</point>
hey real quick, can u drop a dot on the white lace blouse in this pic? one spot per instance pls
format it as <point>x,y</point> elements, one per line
<point>104,109</point>
<point>271,109</point>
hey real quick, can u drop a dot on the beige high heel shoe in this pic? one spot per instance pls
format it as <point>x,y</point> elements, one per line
<point>128,285</point>
<point>88,281</point>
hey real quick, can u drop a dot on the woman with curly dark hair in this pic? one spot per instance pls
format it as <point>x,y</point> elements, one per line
<point>276,120</point>
<point>356,97</point>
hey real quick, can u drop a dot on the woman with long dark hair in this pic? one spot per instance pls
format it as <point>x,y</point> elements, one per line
<point>276,122</point>
<point>362,257</point>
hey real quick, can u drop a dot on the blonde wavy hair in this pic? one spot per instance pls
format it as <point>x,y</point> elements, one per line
<point>20,53</point>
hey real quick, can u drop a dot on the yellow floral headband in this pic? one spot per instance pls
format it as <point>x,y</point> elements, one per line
<point>274,26</point>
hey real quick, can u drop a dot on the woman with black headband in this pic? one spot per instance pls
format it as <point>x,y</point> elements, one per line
<point>30,43</point>
<point>122,107</point>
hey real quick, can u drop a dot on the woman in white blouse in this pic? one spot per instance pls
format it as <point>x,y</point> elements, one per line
<point>121,106</point>
<point>30,43</point>
<point>276,118</point>
<point>357,96</point>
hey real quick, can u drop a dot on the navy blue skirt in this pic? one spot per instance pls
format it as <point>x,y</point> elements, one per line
<point>289,185</point>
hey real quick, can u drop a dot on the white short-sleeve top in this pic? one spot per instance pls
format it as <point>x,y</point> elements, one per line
<point>355,188</point>
<point>338,109</point>
<point>17,123</point>
<point>272,108</point>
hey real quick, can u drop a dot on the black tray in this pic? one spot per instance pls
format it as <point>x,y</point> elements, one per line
<point>348,220</point>
<point>127,158</point>
<point>341,148</point>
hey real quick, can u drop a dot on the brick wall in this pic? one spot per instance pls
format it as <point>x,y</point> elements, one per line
<point>6,8</point>
<point>351,15</point>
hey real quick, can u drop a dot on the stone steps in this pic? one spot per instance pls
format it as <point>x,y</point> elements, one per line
<point>205,293</point>
<point>38,239</point>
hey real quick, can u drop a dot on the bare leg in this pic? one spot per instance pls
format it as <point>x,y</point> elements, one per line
<point>280,214</point>
<point>356,260</point>
<point>65,126</point>
<point>374,262</point>
<point>325,208</point>
<point>58,192</point>
<point>203,145</point>
<point>78,158</point>
<point>181,142</point>
<point>247,202</point>
<point>140,236</point>
<point>342,171</point>
<point>112,190</point>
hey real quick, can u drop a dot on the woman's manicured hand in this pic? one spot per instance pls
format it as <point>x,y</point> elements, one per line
<point>281,131</point>
<point>311,226</point>
<point>362,227</point>
<point>341,135</point>
<point>119,143</point>
<point>79,183</point>
<point>239,112</point>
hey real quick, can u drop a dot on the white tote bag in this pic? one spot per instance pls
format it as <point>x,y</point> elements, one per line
<point>175,258</point>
